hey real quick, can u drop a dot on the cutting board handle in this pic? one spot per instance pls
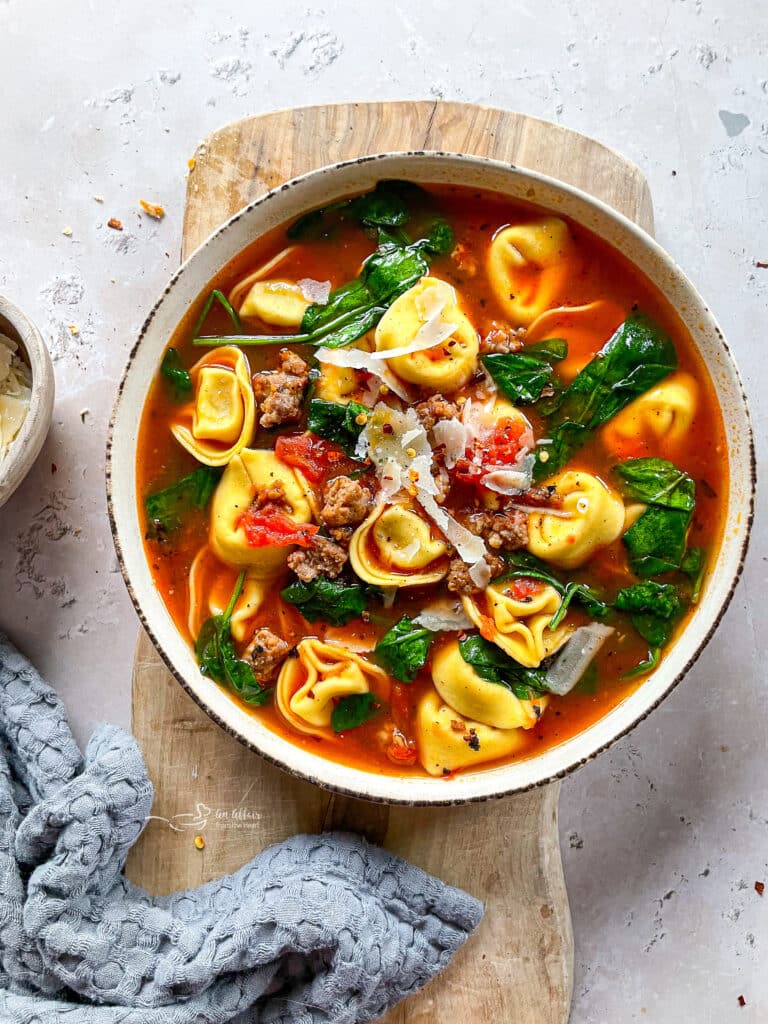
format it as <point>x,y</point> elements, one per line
<point>518,966</point>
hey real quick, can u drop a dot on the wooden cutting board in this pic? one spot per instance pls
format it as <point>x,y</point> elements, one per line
<point>519,965</point>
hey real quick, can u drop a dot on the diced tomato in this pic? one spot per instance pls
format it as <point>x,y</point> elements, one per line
<point>502,448</point>
<point>312,455</point>
<point>317,458</point>
<point>265,527</point>
<point>523,588</point>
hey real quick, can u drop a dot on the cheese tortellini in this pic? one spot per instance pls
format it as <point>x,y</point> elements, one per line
<point>528,266</point>
<point>447,741</point>
<point>666,411</point>
<point>224,411</point>
<point>396,547</point>
<point>518,625</point>
<point>336,384</point>
<point>210,591</point>
<point>281,303</point>
<point>251,472</point>
<point>446,366</point>
<point>591,516</point>
<point>473,697</point>
<point>321,673</point>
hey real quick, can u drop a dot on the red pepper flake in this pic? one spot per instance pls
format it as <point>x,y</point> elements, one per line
<point>115,224</point>
<point>54,468</point>
<point>759,888</point>
<point>742,1001</point>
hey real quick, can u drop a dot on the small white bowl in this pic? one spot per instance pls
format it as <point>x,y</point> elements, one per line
<point>26,446</point>
<point>318,188</point>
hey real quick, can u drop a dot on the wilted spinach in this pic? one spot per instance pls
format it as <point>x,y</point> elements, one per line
<point>174,370</point>
<point>353,711</point>
<point>656,541</point>
<point>639,355</point>
<point>523,376</point>
<point>493,665</point>
<point>525,565</point>
<point>334,601</point>
<point>217,657</point>
<point>337,422</point>
<point>403,650</point>
<point>165,509</point>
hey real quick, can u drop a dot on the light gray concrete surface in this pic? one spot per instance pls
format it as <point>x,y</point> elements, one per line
<point>665,835</point>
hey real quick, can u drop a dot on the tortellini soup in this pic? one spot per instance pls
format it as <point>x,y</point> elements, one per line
<point>433,482</point>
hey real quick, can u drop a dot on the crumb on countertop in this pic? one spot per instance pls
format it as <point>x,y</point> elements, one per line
<point>115,224</point>
<point>152,209</point>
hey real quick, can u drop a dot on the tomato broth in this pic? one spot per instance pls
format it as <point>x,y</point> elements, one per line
<point>510,277</point>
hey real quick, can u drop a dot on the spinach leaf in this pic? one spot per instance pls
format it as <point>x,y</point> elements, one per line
<point>353,711</point>
<point>403,650</point>
<point>439,239</point>
<point>653,659</point>
<point>389,205</point>
<point>523,376</point>
<point>657,482</point>
<point>638,356</point>
<point>337,422</point>
<point>656,542</point>
<point>334,601</point>
<point>174,370</point>
<point>525,565</point>
<point>493,665</point>
<point>217,656</point>
<point>550,349</point>
<point>165,508</point>
<point>660,599</point>
<point>220,297</point>
<point>653,609</point>
<point>694,565</point>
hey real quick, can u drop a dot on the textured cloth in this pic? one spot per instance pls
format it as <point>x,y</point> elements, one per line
<point>318,929</point>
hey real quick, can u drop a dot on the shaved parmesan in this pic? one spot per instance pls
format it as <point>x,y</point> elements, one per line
<point>471,549</point>
<point>443,614</point>
<point>575,658</point>
<point>513,480</point>
<point>383,447</point>
<point>315,291</point>
<point>357,359</point>
<point>430,305</point>
<point>429,335</point>
<point>480,573</point>
<point>540,510</point>
<point>411,550</point>
<point>453,436</point>
<point>15,393</point>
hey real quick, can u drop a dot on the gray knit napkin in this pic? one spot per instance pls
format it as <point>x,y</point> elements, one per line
<point>318,930</point>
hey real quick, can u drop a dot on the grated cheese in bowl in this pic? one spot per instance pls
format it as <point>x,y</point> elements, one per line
<point>15,393</point>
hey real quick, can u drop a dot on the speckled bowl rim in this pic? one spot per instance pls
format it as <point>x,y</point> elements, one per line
<point>490,783</point>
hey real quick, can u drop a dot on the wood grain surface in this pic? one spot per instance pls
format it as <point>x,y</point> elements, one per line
<point>518,967</point>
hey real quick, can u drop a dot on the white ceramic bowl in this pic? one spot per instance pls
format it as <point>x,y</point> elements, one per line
<point>26,446</point>
<point>319,188</point>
